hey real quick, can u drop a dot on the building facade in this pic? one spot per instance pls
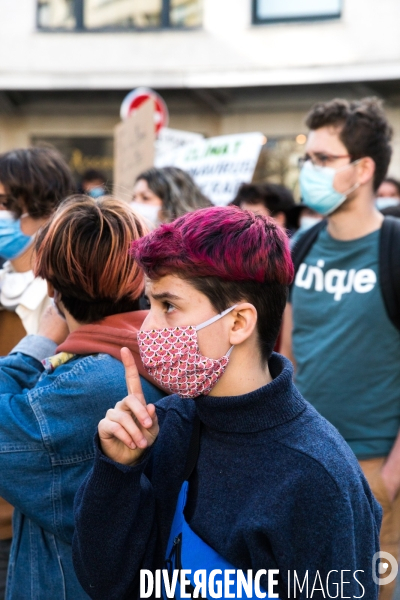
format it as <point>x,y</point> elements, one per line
<point>222,66</point>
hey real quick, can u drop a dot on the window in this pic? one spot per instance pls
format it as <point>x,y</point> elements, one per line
<point>122,13</point>
<point>90,15</point>
<point>185,13</point>
<point>83,153</point>
<point>278,161</point>
<point>267,11</point>
<point>56,14</point>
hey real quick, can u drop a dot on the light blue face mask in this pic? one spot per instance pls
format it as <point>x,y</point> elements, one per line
<point>316,188</point>
<point>12,241</point>
<point>96,192</point>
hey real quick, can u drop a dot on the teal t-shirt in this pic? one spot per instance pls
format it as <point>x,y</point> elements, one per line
<point>347,351</point>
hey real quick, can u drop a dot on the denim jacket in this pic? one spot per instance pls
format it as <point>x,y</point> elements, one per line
<point>47,423</point>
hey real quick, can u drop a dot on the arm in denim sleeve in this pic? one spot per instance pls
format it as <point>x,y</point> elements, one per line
<point>25,467</point>
<point>115,529</point>
<point>21,369</point>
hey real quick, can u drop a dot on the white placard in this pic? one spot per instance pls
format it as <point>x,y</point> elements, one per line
<point>168,141</point>
<point>220,164</point>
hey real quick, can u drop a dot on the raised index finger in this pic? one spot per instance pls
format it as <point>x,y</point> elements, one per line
<point>132,375</point>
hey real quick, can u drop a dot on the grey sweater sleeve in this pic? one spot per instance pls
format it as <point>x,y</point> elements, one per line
<point>36,346</point>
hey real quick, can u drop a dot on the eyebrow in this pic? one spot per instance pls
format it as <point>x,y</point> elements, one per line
<point>165,296</point>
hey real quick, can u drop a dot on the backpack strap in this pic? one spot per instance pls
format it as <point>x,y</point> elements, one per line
<point>304,244</point>
<point>389,267</point>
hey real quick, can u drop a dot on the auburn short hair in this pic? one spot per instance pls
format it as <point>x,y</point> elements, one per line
<point>363,129</point>
<point>83,251</point>
<point>229,255</point>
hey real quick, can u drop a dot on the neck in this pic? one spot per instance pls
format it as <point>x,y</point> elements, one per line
<point>24,262</point>
<point>72,324</point>
<point>244,374</point>
<point>356,218</point>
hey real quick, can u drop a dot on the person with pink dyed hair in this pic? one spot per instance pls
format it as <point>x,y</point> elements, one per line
<point>234,474</point>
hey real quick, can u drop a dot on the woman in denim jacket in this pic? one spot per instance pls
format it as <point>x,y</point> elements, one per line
<point>55,386</point>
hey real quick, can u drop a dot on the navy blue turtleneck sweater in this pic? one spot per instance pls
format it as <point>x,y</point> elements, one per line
<point>275,487</point>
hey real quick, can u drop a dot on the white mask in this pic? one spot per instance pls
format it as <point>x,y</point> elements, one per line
<point>382,202</point>
<point>148,211</point>
<point>308,222</point>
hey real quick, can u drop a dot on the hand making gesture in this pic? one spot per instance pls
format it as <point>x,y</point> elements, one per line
<point>132,426</point>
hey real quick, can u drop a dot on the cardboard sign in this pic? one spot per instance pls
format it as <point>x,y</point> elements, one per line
<point>133,149</point>
<point>170,140</point>
<point>220,164</point>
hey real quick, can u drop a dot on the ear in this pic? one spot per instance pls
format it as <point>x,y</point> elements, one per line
<point>29,225</point>
<point>280,218</point>
<point>244,322</point>
<point>366,170</point>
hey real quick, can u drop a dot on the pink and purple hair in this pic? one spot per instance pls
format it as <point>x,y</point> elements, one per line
<point>228,243</point>
<point>229,255</point>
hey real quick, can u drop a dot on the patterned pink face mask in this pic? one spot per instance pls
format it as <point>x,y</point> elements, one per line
<point>172,358</point>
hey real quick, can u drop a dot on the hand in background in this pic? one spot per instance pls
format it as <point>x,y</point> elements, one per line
<point>53,326</point>
<point>391,482</point>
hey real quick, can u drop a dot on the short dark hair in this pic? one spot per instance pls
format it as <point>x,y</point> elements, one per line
<point>38,178</point>
<point>363,129</point>
<point>83,251</point>
<point>394,182</point>
<point>276,198</point>
<point>93,175</point>
<point>229,255</point>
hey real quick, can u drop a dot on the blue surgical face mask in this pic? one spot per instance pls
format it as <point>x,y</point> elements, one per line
<point>12,241</point>
<point>317,191</point>
<point>96,192</point>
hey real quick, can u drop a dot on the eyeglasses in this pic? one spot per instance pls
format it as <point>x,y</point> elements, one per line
<point>320,159</point>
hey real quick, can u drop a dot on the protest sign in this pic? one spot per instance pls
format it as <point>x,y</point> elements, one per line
<point>220,164</point>
<point>133,149</point>
<point>169,140</point>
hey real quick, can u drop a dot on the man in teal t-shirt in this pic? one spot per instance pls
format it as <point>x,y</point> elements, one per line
<point>340,320</point>
<point>336,329</point>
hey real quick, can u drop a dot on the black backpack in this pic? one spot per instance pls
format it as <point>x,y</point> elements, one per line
<point>389,261</point>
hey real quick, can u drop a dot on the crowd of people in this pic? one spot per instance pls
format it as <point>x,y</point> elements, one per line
<point>192,388</point>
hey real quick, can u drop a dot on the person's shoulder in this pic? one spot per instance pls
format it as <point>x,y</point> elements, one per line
<point>97,372</point>
<point>87,362</point>
<point>312,236</point>
<point>176,416</point>
<point>174,407</point>
<point>321,451</point>
<point>94,371</point>
<point>319,448</point>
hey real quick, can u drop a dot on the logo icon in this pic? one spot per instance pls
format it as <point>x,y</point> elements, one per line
<point>386,561</point>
